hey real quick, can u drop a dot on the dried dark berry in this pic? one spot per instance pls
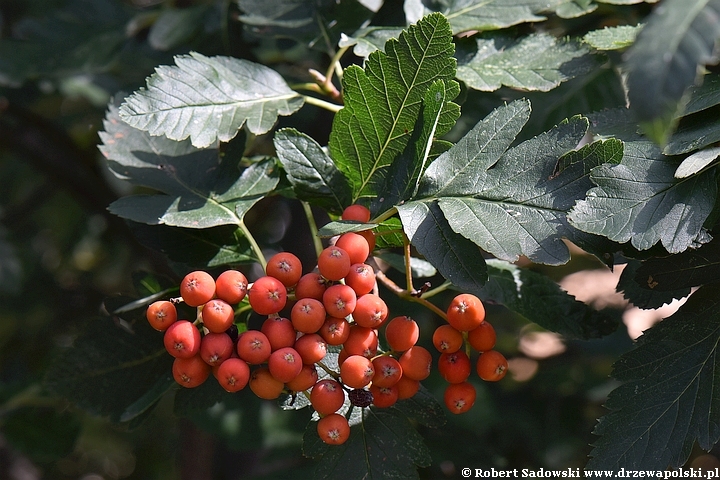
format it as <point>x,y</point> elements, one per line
<point>360,397</point>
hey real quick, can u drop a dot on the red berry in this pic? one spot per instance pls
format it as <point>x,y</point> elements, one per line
<point>218,315</point>
<point>339,301</point>
<point>305,380</point>
<point>233,374</point>
<point>333,429</point>
<point>357,213</point>
<point>447,339</point>
<point>182,339</point>
<point>355,245</point>
<point>370,311</point>
<point>407,387</point>
<point>454,367</point>
<point>215,348</point>
<point>231,286</point>
<point>264,385</point>
<point>311,347</point>
<point>310,285</point>
<point>357,371</point>
<point>492,366</point>
<point>334,263</point>
<point>459,397</point>
<point>465,312</point>
<point>267,295</point>
<point>335,331</point>
<point>285,364</point>
<point>286,267</point>
<point>197,288</point>
<point>279,331</point>
<point>402,333</point>
<point>482,338</point>
<point>384,397</point>
<point>416,363</point>
<point>361,341</point>
<point>308,315</point>
<point>253,347</point>
<point>161,315</point>
<point>361,278</point>
<point>327,396</point>
<point>387,371</point>
<point>191,371</point>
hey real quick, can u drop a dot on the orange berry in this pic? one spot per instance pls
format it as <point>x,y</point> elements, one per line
<point>233,374</point>
<point>402,333</point>
<point>459,397</point>
<point>335,331</point>
<point>161,314</point>
<point>310,285</point>
<point>447,339</point>
<point>387,371</point>
<point>416,363</point>
<point>355,245</point>
<point>254,347</point>
<point>370,311</point>
<point>357,213</point>
<point>267,295</point>
<point>361,341</point>
<point>308,315</point>
<point>305,380</point>
<point>286,267</point>
<point>334,263</point>
<point>407,387</point>
<point>327,396</point>
<point>217,315</point>
<point>264,385</point>
<point>482,338</point>
<point>197,288</point>
<point>285,364</point>
<point>339,301</point>
<point>191,371</point>
<point>182,339</point>
<point>360,278</point>
<point>492,366</point>
<point>215,348</point>
<point>311,347</point>
<point>356,371</point>
<point>231,286</point>
<point>333,429</point>
<point>384,397</point>
<point>454,367</point>
<point>279,331</point>
<point>466,311</point>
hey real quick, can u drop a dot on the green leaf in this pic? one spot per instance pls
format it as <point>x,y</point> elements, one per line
<point>201,188</point>
<point>310,170</point>
<point>456,258</point>
<point>467,15</point>
<point>670,393</point>
<point>419,267</point>
<point>694,132</point>
<point>199,248</point>
<point>539,299</point>
<point>209,99</point>
<point>642,297</point>
<point>534,62</point>
<point>423,408</point>
<point>691,268</point>
<point>514,202</point>
<point>641,201</point>
<point>163,385</point>
<point>679,36</point>
<point>384,445</point>
<point>697,162</point>
<point>176,26</point>
<point>403,176</point>
<point>367,40</point>
<point>343,226</point>
<point>705,95</point>
<point>612,38</point>
<point>108,368</point>
<point>383,101</point>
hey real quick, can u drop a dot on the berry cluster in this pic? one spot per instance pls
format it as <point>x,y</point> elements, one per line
<point>337,305</point>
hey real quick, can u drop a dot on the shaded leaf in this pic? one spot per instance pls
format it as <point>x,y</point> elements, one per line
<point>695,163</point>
<point>419,267</point>
<point>458,260</point>
<point>208,99</point>
<point>423,408</point>
<point>108,368</point>
<point>383,101</point>
<point>634,292</point>
<point>694,132</point>
<point>42,433</point>
<point>466,15</point>
<point>669,398</point>
<point>384,445</point>
<point>200,188</point>
<point>679,37</point>
<point>612,38</point>
<point>691,268</point>
<point>176,26</point>
<point>310,170</point>
<point>367,40</point>
<point>534,62</point>
<point>641,201</point>
<point>208,247</point>
<point>540,300</point>
<point>705,95</point>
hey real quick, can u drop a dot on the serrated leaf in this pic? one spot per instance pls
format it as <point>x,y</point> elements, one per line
<point>641,297</point>
<point>201,188</point>
<point>612,38</point>
<point>208,99</point>
<point>641,201</point>
<point>514,202</point>
<point>697,162</point>
<point>384,445</point>
<point>309,22</point>
<point>108,368</point>
<point>423,408</point>
<point>466,15</point>
<point>679,36</point>
<point>705,95</point>
<point>311,171</point>
<point>534,62</point>
<point>456,258</point>
<point>208,247</point>
<point>367,40</point>
<point>691,268</point>
<point>383,101</point>
<point>540,300</point>
<point>669,398</point>
<point>343,226</point>
<point>694,132</point>
<point>403,176</point>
